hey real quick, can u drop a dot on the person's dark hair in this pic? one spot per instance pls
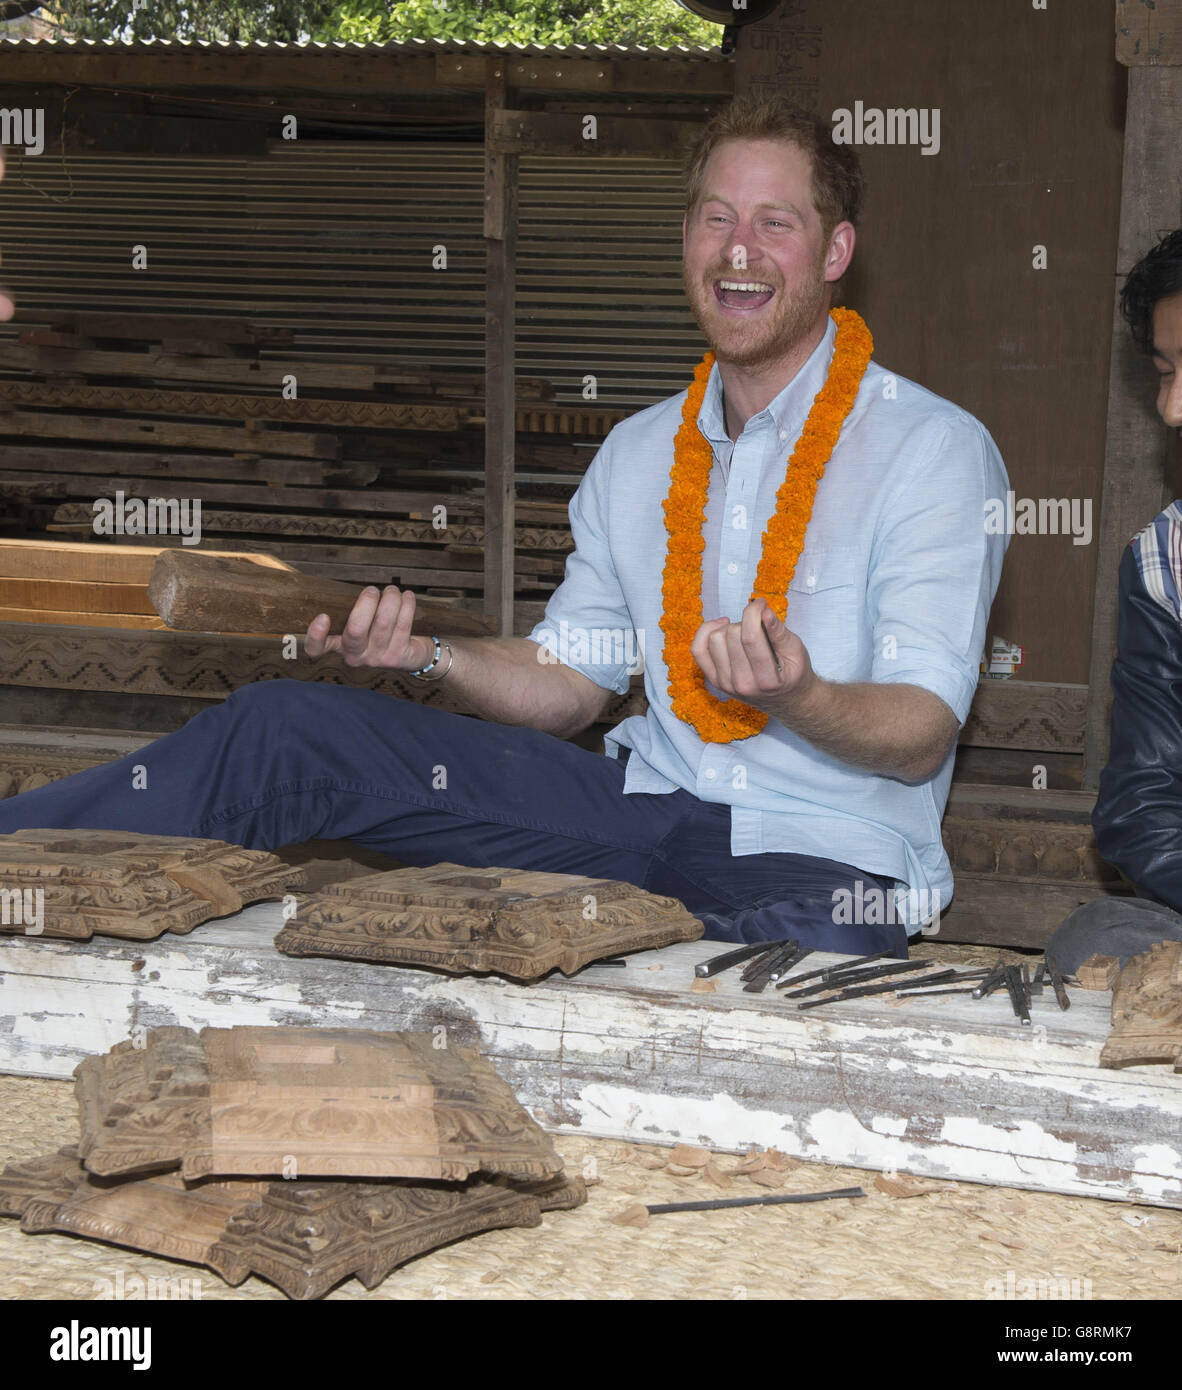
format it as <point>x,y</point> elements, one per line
<point>1157,275</point>
<point>837,181</point>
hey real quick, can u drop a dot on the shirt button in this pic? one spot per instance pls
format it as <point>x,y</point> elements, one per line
<point>732,568</point>
<point>783,436</point>
<point>710,774</point>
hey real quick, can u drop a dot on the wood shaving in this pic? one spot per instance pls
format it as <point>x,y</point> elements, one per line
<point>689,1156</point>
<point>767,1177</point>
<point>712,1173</point>
<point>635,1215</point>
<point>701,986</point>
<point>904,1185</point>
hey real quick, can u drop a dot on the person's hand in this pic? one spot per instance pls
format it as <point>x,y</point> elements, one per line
<point>377,632</point>
<point>757,660</point>
<point>7,307</point>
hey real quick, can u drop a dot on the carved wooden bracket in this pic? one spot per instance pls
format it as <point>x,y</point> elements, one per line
<point>118,883</point>
<point>304,1237</point>
<point>1147,1010</point>
<point>303,1103</point>
<point>516,922</point>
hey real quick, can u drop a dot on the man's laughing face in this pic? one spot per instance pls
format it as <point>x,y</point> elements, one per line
<point>757,261</point>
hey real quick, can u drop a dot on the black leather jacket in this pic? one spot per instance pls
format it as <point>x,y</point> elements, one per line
<point>1138,814</point>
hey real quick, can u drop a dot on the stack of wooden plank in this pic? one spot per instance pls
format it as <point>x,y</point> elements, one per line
<point>82,585</point>
<point>339,467</point>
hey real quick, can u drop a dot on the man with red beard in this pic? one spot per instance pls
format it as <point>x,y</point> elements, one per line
<point>797,547</point>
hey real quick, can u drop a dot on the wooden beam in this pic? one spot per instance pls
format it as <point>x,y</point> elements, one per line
<point>500,346</point>
<point>544,133</point>
<point>203,593</point>
<point>216,467</point>
<point>241,371</point>
<point>91,564</point>
<point>1136,452</point>
<point>1148,34</point>
<point>50,425</point>
<point>385,71</point>
<point>150,400</point>
<point>946,1088</point>
<point>339,499</point>
<point>702,75</point>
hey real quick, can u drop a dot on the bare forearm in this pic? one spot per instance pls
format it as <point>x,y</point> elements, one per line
<point>502,678</point>
<point>896,730</point>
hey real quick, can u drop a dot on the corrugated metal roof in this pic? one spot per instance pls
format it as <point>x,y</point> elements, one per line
<point>531,50</point>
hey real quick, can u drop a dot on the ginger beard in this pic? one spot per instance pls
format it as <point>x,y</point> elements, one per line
<point>755,336</point>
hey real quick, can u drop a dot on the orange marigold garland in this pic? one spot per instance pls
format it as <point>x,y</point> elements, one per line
<point>723,721</point>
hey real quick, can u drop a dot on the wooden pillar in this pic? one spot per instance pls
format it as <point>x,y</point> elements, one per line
<point>500,240</point>
<point>1138,467</point>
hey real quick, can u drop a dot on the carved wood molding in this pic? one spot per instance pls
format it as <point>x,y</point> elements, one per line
<point>1147,1010</point>
<point>303,1102</point>
<point>175,663</point>
<point>345,528</point>
<point>1027,849</point>
<point>304,1237</point>
<point>123,884</point>
<point>515,922</point>
<point>568,420</point>
<point>1027,714</point>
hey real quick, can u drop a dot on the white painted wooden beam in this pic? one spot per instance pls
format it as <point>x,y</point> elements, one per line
<point>945,1087</point>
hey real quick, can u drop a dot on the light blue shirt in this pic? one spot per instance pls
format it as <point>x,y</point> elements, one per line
<point>894,585</point>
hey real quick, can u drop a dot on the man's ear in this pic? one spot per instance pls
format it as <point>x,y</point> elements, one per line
<point>841,251</point>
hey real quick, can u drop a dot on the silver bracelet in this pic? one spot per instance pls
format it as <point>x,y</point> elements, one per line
<point>422,673</point>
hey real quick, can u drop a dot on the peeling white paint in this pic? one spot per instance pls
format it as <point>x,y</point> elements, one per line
<point>649,1118</point>
<point>889,1124</point>
<point>1159,1158</point>
<point>1024,1137</point>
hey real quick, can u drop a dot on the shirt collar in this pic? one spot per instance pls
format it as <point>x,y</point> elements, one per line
<point>788,411</point>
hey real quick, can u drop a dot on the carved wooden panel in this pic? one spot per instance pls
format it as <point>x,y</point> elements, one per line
<point>1147,1010</point>
<point>304,1237</point>
<point>119,883</point>
<point>301,1103</point>
<point>513,921</point>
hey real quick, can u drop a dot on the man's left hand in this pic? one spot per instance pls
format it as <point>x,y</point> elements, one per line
<point>757,660</point>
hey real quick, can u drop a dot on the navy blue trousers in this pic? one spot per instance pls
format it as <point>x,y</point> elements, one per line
<point>280,762</point>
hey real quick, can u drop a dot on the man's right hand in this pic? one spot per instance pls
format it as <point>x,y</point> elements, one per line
<point>377,632</point>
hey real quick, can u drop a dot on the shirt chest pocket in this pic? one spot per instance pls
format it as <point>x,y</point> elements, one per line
<point>827,610</point>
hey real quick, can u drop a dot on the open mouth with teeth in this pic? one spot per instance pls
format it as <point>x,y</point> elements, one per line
<point>742,294</point>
